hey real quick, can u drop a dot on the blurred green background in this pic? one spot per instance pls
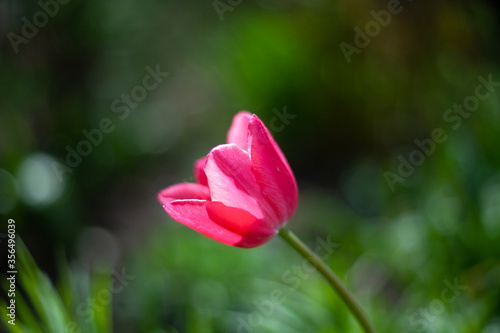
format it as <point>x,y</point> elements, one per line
<point>401,244</point>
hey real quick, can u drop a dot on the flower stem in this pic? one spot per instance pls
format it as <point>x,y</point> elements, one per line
<point>336,283</point>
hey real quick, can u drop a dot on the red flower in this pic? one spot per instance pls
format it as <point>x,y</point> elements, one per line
<point>246,190</point>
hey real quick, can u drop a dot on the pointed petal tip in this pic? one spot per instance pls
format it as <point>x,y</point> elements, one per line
<point>238,132</point>
<point>243,113</point>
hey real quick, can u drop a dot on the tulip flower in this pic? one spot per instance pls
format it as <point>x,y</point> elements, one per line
<point>245,190</point>
<point>244,195</point>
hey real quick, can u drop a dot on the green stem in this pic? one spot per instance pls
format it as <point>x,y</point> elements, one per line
<point>336,283</point>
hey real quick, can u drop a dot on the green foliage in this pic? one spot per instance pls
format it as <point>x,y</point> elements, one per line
<point>43,307</point>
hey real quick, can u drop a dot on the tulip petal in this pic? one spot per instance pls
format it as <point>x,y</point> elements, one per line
<point>272,171</point>
<point>232,182</point>
<point>199,173</point>
<point>238,132</point>
<point>193,213</point>
<point>184,191</point>
<point>252,230</point>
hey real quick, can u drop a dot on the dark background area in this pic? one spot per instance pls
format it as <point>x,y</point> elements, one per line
<point>353,118</point>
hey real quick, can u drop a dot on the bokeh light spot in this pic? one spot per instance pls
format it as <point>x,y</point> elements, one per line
<point>39,184</point>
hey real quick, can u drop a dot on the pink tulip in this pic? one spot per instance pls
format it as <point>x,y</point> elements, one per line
<point>245,190</point>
